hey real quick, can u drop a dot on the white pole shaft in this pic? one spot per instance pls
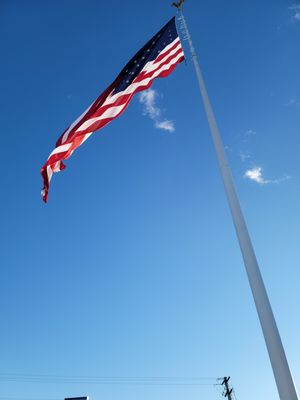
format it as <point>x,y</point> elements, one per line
<point>285,385</point>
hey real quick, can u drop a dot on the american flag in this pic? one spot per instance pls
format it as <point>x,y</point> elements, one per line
<point>156,59</point>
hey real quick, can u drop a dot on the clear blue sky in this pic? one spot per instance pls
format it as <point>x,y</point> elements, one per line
<point>133,267</point>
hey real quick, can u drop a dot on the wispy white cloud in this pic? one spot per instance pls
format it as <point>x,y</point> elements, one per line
<point>244,156</point>
<point>292,103</point>
<point>295,9</point>
<point>248,134</point>
<point>166,125</point>
<point>255,174</point>
<point>148,100</point>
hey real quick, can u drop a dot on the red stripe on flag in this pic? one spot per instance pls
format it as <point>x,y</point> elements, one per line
<point>74,135</point>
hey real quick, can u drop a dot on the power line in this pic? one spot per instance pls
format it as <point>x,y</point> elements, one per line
<point>106,376</point>
<point>108,380</point>
<point>25,398</point>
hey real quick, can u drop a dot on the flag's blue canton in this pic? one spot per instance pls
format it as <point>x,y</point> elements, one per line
<point>148,53</point>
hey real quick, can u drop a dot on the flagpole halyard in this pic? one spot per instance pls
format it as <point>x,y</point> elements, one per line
<point>284,381</point>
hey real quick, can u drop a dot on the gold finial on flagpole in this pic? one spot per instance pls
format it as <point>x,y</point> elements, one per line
<point>178,5</point>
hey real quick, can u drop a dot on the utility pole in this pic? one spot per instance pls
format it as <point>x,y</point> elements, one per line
<point>227,391</point>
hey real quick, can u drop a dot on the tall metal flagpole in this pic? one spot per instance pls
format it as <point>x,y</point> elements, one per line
<point>283,377</point>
